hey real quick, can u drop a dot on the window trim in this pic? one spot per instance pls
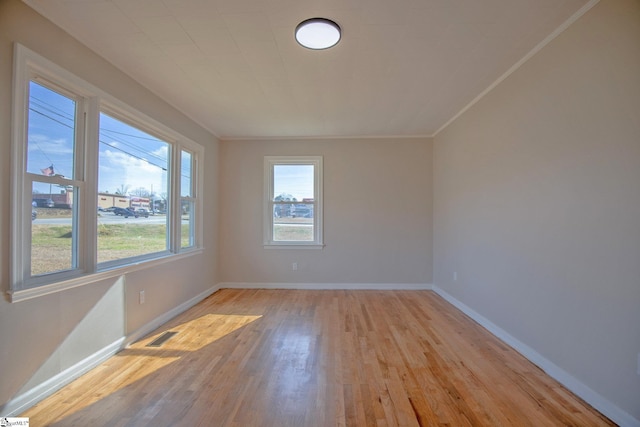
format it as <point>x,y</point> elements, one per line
<point>269,163</point>
<point>191,199</point>
<point>28,66</point>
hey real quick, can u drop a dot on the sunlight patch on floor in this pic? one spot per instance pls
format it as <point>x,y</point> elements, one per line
<point>200,332</point>
<point>137,362</point>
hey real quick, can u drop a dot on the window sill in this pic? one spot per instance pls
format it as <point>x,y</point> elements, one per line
<point>294,246</point>
<point>63,285</point>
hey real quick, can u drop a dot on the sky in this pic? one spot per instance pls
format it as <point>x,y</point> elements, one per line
<point>128,158</point>
<point>296,180</point>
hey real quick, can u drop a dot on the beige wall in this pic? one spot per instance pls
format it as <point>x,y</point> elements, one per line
<point>377,213</point>
<point>44,336</point>
<point>534,204</point>
<point>537,203</point>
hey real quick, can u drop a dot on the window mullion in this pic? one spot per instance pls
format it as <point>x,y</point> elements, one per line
<point>89,166</point>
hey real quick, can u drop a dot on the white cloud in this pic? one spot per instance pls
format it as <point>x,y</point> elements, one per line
<point>51,146</point>
<point>117,169</point>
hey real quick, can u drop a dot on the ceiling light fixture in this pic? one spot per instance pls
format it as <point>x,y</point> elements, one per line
<point>318,33</point>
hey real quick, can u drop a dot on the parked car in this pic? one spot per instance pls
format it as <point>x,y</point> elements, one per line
<point>44,203</point>
<point>302,211</point>
<point>143,212</point>
<point>130,212</point>
<point>125,212</point>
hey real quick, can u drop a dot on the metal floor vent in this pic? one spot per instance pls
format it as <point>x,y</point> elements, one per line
<point>161,339</point>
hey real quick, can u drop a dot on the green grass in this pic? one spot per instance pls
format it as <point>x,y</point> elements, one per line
<point>50,248</point>
<point>51,245</point>
<point>292,233</point>
<point>116,241</point>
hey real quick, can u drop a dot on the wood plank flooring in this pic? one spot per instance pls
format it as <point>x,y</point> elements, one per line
<point>317,358</point>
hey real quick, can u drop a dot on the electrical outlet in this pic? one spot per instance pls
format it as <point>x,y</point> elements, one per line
<point>294,266</point>
<point>141,297</point>
<point>455,276</point>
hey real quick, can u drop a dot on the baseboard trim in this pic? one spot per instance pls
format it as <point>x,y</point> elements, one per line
<point>327,286</point>
<point>164,318</point>
<point>24,401</point>
<point>607,408</point>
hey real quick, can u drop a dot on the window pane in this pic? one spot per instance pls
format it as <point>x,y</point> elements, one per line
<point>51,132</point>
<point>293,221</point>
<point>293,182</point>
<point>288,226</point>
<point>132,178</point>
<point>52,238</point>
<point>185,175</point>
<point>187,238</point>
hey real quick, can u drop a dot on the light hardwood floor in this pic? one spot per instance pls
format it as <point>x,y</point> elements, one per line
<point>317,358</point>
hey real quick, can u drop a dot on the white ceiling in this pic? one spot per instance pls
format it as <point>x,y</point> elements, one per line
<point>402,68</point>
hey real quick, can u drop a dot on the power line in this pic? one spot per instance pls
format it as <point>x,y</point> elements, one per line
<point>50,118</point>
<point>150,154</point>
<point>69,117</point>
<point>133,136</point>
<point>133,155</point>
<point>108,144</point>
<point>52,110</point>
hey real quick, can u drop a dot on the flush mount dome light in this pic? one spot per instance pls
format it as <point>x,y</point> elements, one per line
<point>318,33</point>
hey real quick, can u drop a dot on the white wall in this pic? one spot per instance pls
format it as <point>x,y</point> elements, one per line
<point>45,336</point>
<point>377,213</point>
<point>537,204</point>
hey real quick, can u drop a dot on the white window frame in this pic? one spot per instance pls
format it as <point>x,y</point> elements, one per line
<point>192,199</point>
<point>30,66</point>
<point>269,163</point>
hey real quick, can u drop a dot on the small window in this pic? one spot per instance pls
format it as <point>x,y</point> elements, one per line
<point>293,201</point>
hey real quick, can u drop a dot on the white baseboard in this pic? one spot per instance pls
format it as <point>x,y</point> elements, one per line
<point>164,318</point>
<point>21,403</point>
<point>610,410</point>
<point>328,286</point>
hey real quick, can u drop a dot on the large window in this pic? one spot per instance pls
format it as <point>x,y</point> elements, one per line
<point>133,166</point>
<point>293,201</point>
<point>97,185</point>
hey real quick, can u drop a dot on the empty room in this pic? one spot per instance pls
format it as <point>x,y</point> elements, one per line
<point>297,213</point>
